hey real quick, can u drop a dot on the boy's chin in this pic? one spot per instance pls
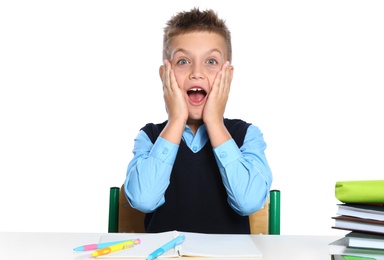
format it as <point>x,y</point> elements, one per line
<point>195,114</point>
<point>195,117</point>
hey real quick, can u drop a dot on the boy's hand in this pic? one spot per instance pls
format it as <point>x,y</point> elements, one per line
<point>217,100</point>
<point>173,96</point>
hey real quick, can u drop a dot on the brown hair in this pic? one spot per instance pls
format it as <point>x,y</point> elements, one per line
<point>196,20</point>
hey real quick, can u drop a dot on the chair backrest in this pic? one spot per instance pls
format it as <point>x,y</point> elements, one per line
<point>130,220</point>
<point>125,219</point>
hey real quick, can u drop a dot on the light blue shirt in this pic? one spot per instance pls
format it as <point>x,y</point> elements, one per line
<point>245,171</point>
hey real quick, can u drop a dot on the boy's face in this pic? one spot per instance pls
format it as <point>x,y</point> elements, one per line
<point>196,59</point>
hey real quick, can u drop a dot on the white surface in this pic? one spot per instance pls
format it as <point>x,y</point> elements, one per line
<point>48,246</point>
<point>194,245</point>
<point>73,75</point>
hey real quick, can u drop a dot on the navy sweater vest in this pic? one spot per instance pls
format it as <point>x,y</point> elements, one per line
<point>196,200</point>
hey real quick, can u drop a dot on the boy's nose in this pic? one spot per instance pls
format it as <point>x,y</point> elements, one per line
<point>196,73</point>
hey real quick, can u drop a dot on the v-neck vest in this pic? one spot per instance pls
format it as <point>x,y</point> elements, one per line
<point>196,199</point>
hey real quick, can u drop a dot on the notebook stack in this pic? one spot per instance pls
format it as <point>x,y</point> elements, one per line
<point>361,212</point>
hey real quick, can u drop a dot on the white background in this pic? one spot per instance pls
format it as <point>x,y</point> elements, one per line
<point>80,78</point>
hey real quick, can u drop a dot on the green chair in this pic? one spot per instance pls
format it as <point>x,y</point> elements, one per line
<point>124,219</point>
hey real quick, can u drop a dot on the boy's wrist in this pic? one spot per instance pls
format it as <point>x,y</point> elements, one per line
<point>218,134</point>
<point>173,131</point>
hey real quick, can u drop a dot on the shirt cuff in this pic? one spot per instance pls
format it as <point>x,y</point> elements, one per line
<point>227,153</point>
<point>164,150</point>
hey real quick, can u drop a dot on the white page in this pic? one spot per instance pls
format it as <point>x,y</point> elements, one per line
<point>212,245</point>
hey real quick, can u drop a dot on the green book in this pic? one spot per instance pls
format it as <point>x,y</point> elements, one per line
<point>360,191</point>
<point>351,257</point>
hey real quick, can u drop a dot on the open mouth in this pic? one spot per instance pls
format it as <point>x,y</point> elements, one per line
<point>196,95</point>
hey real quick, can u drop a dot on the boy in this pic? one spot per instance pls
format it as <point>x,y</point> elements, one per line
<point>198,171</point>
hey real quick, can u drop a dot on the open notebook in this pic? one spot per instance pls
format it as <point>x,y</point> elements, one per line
<point>195,244</point>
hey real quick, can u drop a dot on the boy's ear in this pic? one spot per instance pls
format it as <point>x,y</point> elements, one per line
<point>161,71</point>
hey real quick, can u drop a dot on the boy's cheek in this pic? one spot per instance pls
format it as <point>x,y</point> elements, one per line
<point>179,72</point>
<point>217,74</point>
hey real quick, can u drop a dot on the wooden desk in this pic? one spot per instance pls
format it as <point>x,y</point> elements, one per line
<point>57,246</point>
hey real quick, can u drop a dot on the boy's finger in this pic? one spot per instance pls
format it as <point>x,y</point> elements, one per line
<point>166,81</point>
<point>224,77</point>
<point>172,80</point>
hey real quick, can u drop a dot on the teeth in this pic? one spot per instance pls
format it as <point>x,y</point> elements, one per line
<point>195,89</point>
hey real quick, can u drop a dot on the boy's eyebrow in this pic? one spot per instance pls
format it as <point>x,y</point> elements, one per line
<point>188,52</point>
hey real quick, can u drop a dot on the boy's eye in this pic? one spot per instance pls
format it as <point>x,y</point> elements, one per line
<point>212,61</point>
<point>182,62</point>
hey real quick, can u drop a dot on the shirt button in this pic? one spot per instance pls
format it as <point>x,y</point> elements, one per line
<point>165,150</point>
<point>194,148</point>
<point>223,154</point>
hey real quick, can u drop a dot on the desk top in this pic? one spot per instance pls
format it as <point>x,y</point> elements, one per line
<point>57,246</point>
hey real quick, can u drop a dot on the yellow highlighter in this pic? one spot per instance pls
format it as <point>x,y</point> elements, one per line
<point>113,248</point>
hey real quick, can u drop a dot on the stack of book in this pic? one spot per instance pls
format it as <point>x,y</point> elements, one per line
<point>361,212</point>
